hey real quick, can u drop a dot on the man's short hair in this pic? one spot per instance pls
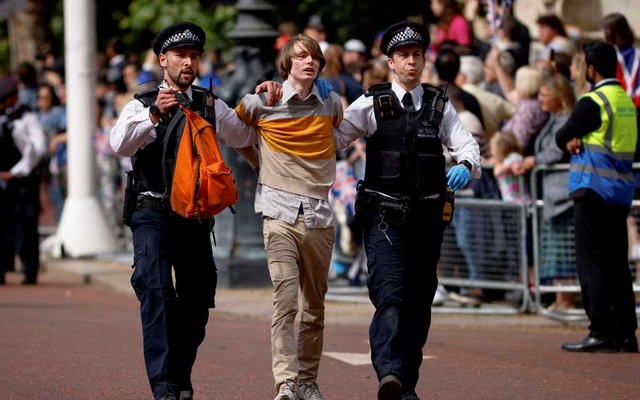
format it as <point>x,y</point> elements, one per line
<point>447,65</point>
<point>602,56</point>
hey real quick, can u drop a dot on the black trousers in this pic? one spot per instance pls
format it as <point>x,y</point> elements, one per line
<point>603,266</point>
<point>19,212</point>
<point>174,317</point>
<point>402,259</point>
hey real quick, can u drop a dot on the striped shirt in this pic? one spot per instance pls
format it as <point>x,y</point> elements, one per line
<point>297,154</point>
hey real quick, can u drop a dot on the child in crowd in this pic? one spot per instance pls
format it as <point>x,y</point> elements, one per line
<point>506,152</point>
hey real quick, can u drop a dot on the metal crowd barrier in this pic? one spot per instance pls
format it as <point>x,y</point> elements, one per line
<point>485,248</point>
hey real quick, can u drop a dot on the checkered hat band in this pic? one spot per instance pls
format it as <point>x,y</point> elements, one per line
<point>407,34</point>
<point>178,37</point>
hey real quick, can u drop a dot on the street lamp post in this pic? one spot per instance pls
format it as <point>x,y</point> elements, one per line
<point>240,255</point>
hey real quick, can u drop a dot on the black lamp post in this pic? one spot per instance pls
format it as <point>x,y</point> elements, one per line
<point>239,251</point>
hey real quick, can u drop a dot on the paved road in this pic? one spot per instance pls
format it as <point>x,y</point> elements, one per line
<point>68,340</point>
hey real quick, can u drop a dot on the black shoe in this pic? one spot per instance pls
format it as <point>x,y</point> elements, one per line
<point>28,281</point>
<point>592,345</point>
<point>628,345</point>
<point>390,388</point>
<point>410,396</point>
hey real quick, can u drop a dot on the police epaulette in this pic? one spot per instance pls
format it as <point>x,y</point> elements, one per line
<point>378,87</point>
<point>147,97</point>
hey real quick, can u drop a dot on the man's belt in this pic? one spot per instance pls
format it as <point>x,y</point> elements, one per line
<point>155,203</point>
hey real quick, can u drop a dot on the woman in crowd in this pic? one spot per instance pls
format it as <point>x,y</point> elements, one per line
<point>557,263</point>
<point>451,26</point>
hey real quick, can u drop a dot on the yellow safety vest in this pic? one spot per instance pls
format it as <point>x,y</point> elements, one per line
<point>605,161</point>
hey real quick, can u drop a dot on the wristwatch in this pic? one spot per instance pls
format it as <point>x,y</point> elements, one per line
<point>153,109</point>
<point>466,164</point>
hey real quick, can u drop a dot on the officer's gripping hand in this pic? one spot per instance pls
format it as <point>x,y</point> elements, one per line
<point>324,87</point>
<point>273,89</point>
<point>458,176</point>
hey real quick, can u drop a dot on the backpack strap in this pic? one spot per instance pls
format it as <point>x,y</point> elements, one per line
<point>207,97</point>
<point>172,132</point>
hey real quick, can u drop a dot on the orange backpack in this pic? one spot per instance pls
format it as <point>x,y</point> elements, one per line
<point>203,185</point>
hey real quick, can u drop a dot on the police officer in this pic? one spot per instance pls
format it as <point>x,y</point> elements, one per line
<point>601,135</point>
<point>174,317</point>
<point>402,199</point>
<point>22,147</point>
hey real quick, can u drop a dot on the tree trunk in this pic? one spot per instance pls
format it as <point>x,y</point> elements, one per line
<point>29,32</point>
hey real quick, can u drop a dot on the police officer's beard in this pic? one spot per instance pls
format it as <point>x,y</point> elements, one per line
<point>590,78</point>
<point>182,83</point>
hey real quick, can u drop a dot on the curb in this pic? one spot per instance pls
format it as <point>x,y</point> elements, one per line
<point>349,305</point>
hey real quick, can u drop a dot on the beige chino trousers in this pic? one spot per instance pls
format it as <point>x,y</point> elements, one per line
<point>298,260</point>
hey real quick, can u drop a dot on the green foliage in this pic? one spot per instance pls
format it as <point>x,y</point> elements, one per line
<point>346,19</point>
<point>137,22</point>
<point>56,23</point>
<point>5,51</point>
<point>145,19</point>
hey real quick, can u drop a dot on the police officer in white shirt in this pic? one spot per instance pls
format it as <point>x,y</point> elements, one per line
<point>401,202</point>
<point>22,147</point>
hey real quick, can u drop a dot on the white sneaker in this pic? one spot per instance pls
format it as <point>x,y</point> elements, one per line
<point>286,392</point>
<point>186,395</point>
<point>465,300</point>
<point>441,296</point>
<point>310,391</point>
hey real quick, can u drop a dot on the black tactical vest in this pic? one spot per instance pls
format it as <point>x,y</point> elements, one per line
<point>148,162</point>
<point>404,155</point>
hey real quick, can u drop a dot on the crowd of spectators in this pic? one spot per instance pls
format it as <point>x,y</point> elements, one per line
<point>497,82</point>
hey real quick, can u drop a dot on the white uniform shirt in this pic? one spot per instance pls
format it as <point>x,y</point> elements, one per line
<point>31,141</point>
<point>134,129</point>
<point>360,121</point>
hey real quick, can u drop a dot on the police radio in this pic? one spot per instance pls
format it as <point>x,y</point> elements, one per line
<point>438,102</point>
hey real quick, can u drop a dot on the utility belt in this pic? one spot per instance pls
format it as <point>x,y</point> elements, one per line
<point>155,203</point>
<point>134,200</point>
<point>397,209</point>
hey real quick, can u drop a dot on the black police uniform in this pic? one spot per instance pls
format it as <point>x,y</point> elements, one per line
<point>401,207</point>
<point>174,316</point>
<point>20,197</point>
<point>400,204</point>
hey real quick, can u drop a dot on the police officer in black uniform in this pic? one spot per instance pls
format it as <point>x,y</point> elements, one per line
<point>23,144</point>
<point>174,317</point>
<point>403,202</point>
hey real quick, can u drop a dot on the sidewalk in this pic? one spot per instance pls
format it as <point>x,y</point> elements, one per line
<point>344,305</point>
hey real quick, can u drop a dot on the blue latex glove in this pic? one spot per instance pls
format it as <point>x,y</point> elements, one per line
<point>458,176</point>
<point>324,87</point>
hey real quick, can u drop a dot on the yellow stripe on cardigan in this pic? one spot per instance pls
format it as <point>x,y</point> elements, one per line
<point>309,137</point>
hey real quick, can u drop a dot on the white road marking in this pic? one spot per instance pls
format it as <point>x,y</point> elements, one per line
<point>356,358</point>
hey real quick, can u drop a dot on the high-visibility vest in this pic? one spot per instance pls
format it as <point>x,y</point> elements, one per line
<point>605,161</point>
